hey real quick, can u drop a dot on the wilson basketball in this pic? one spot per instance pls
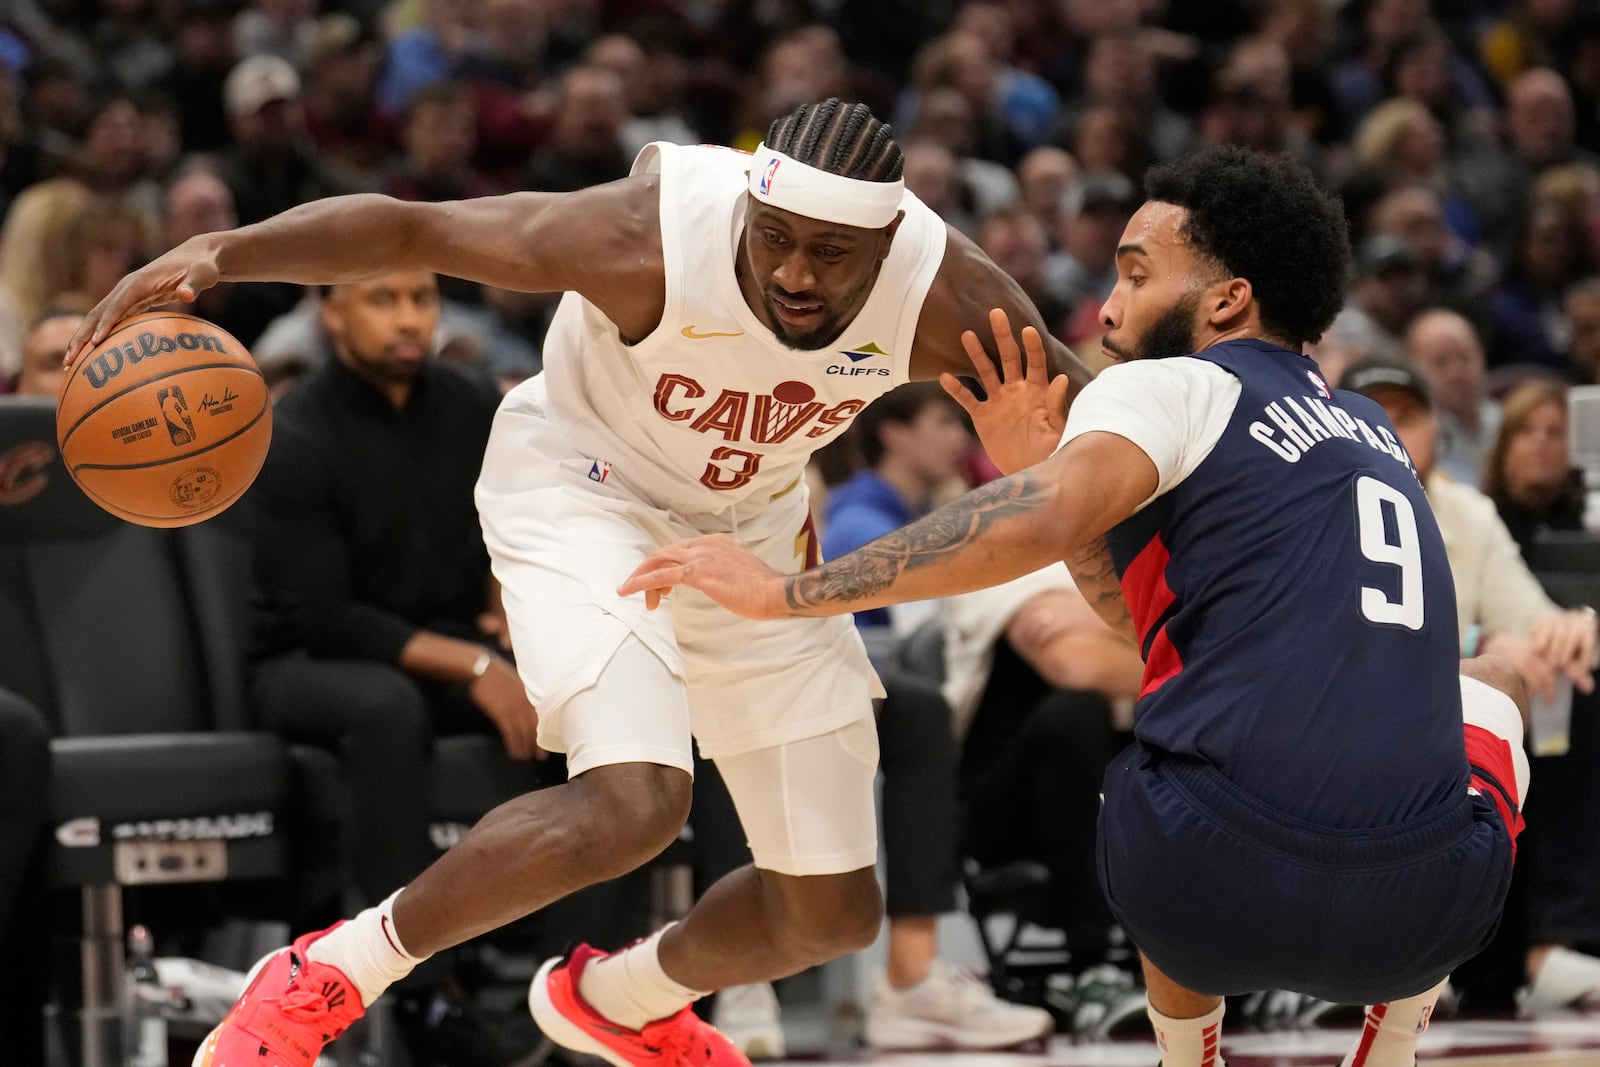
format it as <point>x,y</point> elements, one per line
<point>165,422</point>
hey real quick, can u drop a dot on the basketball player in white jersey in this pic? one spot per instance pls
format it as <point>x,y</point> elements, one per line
<point>726,315</point>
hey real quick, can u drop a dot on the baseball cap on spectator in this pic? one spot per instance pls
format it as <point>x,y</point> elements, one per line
<point>258,81</point>
<point>1382,253</point>
<point>1099,189</point>
<point>1371,375</point>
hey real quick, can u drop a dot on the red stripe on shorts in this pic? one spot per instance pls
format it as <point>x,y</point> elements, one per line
<point>1490,754</point>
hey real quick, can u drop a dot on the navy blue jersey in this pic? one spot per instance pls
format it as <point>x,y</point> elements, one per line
<point>1295,607</point>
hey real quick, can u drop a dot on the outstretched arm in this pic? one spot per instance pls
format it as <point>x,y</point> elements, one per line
<point>597,241</point>
<point>1000,531</point>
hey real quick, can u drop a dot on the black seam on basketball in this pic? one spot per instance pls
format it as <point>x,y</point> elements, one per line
<point>112,508</point>
<point>61,441</point>
<point>170,459</point>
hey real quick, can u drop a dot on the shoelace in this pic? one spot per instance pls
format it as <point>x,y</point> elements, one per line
<point>309,1008</point>
<point>683,1045</point>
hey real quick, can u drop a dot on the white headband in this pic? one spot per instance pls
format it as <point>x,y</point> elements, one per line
<point>790,185</point>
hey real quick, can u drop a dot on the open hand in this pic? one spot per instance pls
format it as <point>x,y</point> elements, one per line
<point>1566,640</point>
<point>1021,421</point>
<point>717,566</point>
<point>176,277</point>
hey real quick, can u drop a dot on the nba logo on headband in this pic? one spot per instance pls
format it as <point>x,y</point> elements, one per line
<point>819,194</point>
<point>768,174</point>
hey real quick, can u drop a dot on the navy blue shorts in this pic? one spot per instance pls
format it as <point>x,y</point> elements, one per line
<point>1227,896</point>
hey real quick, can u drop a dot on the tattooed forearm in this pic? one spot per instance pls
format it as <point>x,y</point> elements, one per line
<point>950,530</point>
<point>1097,580</point>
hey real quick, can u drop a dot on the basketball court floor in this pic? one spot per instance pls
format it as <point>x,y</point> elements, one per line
<point>1573,1042</point>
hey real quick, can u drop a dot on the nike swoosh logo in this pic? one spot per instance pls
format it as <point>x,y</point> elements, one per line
<point>689,332</point>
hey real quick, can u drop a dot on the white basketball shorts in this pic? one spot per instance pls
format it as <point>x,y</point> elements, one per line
<point>563,531</point>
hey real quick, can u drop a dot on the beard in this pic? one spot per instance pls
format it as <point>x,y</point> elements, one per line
<point>1172,334</point>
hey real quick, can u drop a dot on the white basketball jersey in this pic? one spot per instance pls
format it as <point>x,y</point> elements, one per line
<point>711,409</point>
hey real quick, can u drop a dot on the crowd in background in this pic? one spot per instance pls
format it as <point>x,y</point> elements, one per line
<point>1463,137</point>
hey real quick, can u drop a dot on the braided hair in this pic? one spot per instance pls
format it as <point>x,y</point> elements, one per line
<point>843,139</point>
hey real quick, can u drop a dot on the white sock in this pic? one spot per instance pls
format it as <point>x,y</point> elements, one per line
<point>630,988</point>
<point>368,951</point>
<point>1390,1037</point>
<point>1190,1042</point>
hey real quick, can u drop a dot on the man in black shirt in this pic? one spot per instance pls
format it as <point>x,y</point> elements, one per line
<point>379,622</point>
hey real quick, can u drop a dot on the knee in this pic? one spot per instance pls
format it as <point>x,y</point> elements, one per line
<point>638,808</point>
<point>823,917</point>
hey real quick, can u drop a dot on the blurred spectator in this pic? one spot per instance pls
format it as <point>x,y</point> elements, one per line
<point>1500,606</point>
<point>1582,307</point>
<point>1020,246</point>
<point>1106,137</point>
<point>43,350</point>
<point>352,137</point>
<point>1540,126</point>
<point>1258,69</point>
<point>112,159</point>
<point>1094,211</point>
<point>1529,475</point>
<point>1457,275</point>
<point>1385,24</point>
<point>509,52</point>
<point>160,135</point>
<point>437,132</point>
<point>1533,33</point>
<point>1304,30</point>
<point>197,201</point>
<point>270,167</point>
<point>367,643</point>
<point>1352,338</point>
<point>1419,68</point>
<point>1402,136</point>
<point>425,54</point>
<point>1502,610</point>
<point>946,117</point>
<point>912,441</point>
<point>109,238</point>
<point>1042,692</point>
<point>1389,285</point>
<point>933,173</point>
<point>1447,351</point>
<point>796,69</point>
<point>33,261</point>
<point>24,815</point>
<point>204,54</point>
<point>963,62</point>
<point>283,28</point>
<point>585,145</point>
<point>19,150</point>
<point>1120,69</point>
<point>1550,254</point>
<point>1043,177</point>
<point>1023,101</point>
<point>54,100</point>
<point>652,87</point>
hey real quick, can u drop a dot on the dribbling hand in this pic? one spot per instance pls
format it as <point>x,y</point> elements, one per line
<point>717,566</point>
<point>175,277</point>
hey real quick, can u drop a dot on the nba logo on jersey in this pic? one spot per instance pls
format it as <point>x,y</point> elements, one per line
<point>599,471</point>
<point>766,178</point>
<point>1319,385</point>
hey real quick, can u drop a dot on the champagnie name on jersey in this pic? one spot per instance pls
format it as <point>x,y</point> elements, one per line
<point>1295,425</point>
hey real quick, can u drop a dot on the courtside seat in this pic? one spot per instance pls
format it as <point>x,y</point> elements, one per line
<point>156,778</point>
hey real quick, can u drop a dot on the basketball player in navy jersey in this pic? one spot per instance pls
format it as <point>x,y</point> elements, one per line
<point>726,314</point>
<point>1299,810</point>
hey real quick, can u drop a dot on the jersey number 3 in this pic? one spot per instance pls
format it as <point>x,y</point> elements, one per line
<point>1403,550</point>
